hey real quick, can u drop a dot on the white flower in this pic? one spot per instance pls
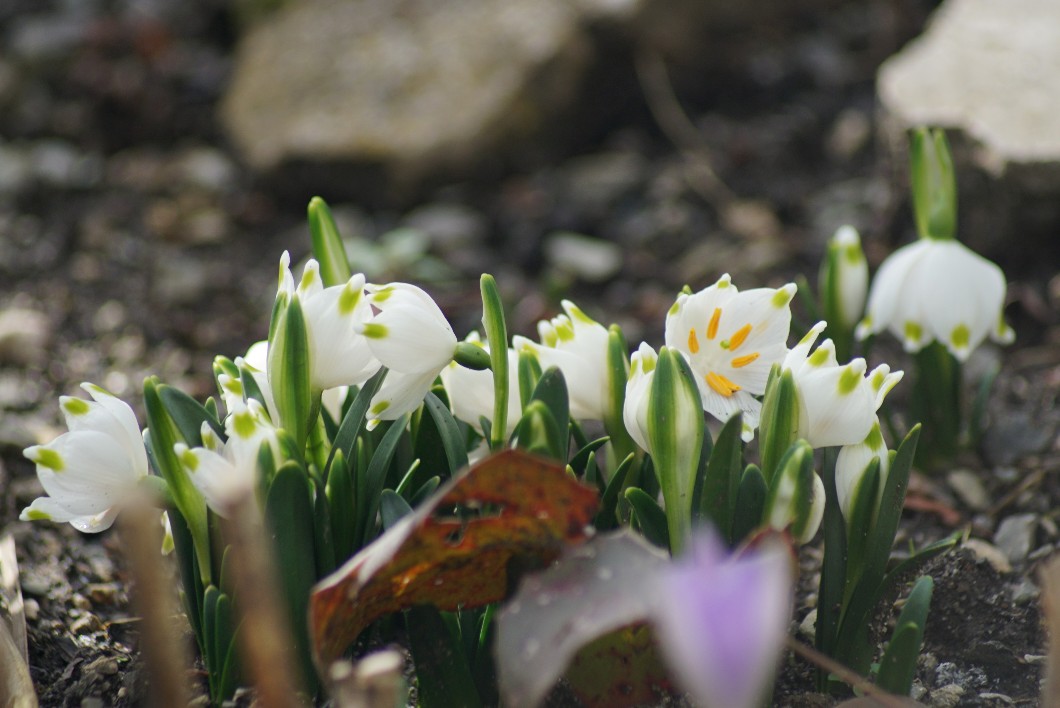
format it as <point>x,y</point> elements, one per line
<point>731,340</point>
<point>837,404</point>
<point>411,337</point>
<point>339,355</point>
<point>850,468</point>
<point>256,361</point>
<point>638,393</point>
<point>471,392</point>
<point>92,470</point>
<point>938,290</point>
<point>576,344</point>
<point>845,276</point>
<point>222,472</point>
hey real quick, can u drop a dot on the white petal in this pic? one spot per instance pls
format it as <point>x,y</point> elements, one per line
<point>828,416</point>
<point>130,438</point>
<point>410,334</point>
<point>341,356</point>
<point>586,381</point>
<point>96,472</point>
<point>400,393</point>
<point>891,303</point>
<point>217,479</point>
<point>638,389</point>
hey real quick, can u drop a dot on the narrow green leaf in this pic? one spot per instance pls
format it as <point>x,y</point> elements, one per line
<point>327,244</point>
<point>188,415</point>
<point>750,503</point>
<point>780,421</point>
<point>443,676</point>
<point>449,432</point>
<point>375,476</point>
<point>650,516</point>
<point>288,365</point>
<point>353,421</point>
<point>497,335</point>
<point>424,492</point>
<point>607,516</point>
<point>898,665</point>
<point>224,641</point>
<point>617,376</point>
<point>581,457</point>
<point>859,526</point>
<point>716,488</point>
<point>529,374</point>
<point>537,431</point>
<point>833,567</point>
<point>392,508</point>
<point>342,508</point>
<point>209,627</point>
<point>551,390</point>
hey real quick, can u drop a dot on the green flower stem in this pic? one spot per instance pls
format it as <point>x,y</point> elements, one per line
<point>934,185</point>
<point>937,402</point>
<point>617,376</point>
<point>497,336</point>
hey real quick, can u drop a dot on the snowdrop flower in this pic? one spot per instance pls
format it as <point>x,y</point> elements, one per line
<point>731,340</point>
<point>339,355</point>
<point>638,391</point>
<point>222,472</point>
<point>411,337</point>
<point>92,470</point>
<point>722,620</point>
<point>844,278</point>
<point>837,404</point>
<point>471,392</point>
<point>577,345</point>
<point>851,464</point>
<point>256,361</point>
<point>938,289</point>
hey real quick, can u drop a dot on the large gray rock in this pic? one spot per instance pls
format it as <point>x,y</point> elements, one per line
<point>991,69</point>
<point>407,84</point>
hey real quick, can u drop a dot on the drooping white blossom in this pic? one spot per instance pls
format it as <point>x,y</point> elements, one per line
<point>576,344</point>
<point>638,391</point>
<point>851,464</point>
<point>837,404</point>
<point>89,472</point>
<point>731,340</point>
<point>411,337</point>
<point>938,290</point>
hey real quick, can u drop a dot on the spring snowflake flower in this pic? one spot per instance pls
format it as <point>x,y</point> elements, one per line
<point>339,355</point>
<point>837,404</point>
<point>470,392</point>
<point>638,392</point>
<point>731,340</point>
<point>577,345</point>
<point>223,471</point>
<point>938,289</point>
<point>850,466</point>
<point>722,620</point>
<point>92,470</point>
<point>411,337</point>
<point>845,277</point>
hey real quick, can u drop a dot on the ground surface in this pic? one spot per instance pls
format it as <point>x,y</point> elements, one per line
<point>137,244</point>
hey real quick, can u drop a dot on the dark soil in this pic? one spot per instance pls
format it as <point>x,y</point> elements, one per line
<point>147,248</point>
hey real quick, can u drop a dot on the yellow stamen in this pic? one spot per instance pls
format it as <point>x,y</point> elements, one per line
<point>739,337</point>
<point>712,328</point>
<point>693,341</point>
<point>721,384</point>
<point>744,360</point>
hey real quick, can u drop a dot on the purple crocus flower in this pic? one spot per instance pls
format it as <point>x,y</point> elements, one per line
<point>722,620</point>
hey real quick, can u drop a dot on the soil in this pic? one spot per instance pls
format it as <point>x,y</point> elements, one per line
<point>140,245</point>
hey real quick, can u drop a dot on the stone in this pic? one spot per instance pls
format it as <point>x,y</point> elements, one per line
<point>1015,536</point>
<point>990,72</point>
<point>989,553</point>
<point>408,85</point>
<point>24,336</point>
<point>969,488</point>
<point>589,259</point>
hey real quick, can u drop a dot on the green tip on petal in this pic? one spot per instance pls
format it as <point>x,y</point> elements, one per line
<point>36,515</point>
<point>46,457</point>
<point>374,330</point>
<point>875,437</point>
<point>576,313</point>
<point>783,296</point>
<point>244,424</point>
<point>378,408</point>
<point>97,388</point>
<point>960,337</point>
<point>674,308</point>
<point>913,331</point>
<point>348,299</point>
<point>189,460</point>
<point>818,358</point>
<point>75,406</point>
<point>848,380</point>
<point>382,294</point>
<point>564,330</point>
<point>853,254</point>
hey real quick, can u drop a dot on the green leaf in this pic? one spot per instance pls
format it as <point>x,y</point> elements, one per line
<point>750,503</point>
<point>392,508</point>
<point>289,362</point>
<point>551,390</point>
<point>497,336</point>
<point>898,665</point>
<point>933,183</point>
<point>353,421</point>
<point>210,641</point>
<point>443,676</point>
<point>715,497</point>
<point>327,244</point>
<point>375,476</point>
<point>224,648</point>
<point>538,432</point>
<point>650,516</point>
<point>339,492</point>
<point>424,492</point>
<point>607,517</point>
<point>833,568</point>
<point>581,458</point>
<point>289,521</point>
<point>529,374</point>
<point>191,582</point>
<point>780,421</point>
<point>617,376</point>
<point>188,415</point>
<point>862,515</point>
<point>449,432</point>
<point>791,491</point>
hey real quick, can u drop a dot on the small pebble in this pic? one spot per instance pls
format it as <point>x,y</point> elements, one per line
<point>1024,592</point>
<point>948,696</point>
<point>967,485</point>
<point>1015,536</point>
<point>989,553</point>
<point>997,698</point>
<point>590,259</point>
<point>86,624</point>
<point>31,608</point>
<point>808,626</point>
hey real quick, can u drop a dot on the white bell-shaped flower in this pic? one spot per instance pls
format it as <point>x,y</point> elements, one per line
<point>411,337</point>
<point>845,277</point>
<point>576,344</point>
<point>223,472</point>
<point>837,404</point>
<point>92,470</point>
<point>938,290</point>
<point>638,393</point>
<point>851,464</point>
<point>339,354</point>
<point>731,340</point>
<point>470,391</point>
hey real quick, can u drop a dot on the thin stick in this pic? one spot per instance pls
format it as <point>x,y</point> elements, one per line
<point>679,129</point>
<point>854,679</point>
<point>153,600</point>
<point>1050,581</point>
